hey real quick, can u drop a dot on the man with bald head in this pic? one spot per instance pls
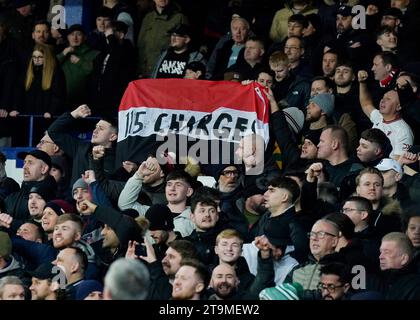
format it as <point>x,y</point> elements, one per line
<point>323,240</point>
<point>224,282</point>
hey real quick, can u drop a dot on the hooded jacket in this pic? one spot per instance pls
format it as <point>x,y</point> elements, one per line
<point>77,150</point>
<point>386,218</point>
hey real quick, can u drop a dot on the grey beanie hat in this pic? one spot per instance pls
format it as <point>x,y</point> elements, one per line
<point>325,101</point>
<point>295,118</point>
<point>79,184</point>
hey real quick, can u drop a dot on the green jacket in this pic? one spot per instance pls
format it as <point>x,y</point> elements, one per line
<point>77,74</point>
<point>278,30</point>
<point>154,36</point>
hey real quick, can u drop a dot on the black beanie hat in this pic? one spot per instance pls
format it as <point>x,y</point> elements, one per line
<point>160,218</point>
<point>313,136</point>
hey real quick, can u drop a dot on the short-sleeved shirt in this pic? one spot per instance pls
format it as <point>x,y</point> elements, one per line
<point>397,130</point>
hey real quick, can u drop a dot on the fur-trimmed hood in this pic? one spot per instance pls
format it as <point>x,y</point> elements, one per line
<point>390,206</point>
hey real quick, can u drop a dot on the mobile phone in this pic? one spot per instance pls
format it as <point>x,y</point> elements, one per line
<point>141,250</point>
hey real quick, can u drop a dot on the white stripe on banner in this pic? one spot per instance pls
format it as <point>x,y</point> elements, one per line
<point>224,124</point>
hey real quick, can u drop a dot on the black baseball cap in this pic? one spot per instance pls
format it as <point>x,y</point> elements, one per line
<point>43,272</point>
<point>39,154</point>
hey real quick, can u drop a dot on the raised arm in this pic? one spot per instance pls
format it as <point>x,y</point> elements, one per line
<point>365,99</point>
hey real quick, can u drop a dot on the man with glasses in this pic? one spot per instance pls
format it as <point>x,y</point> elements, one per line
<point>391,17</point>
<point>229,182</point>
<point>323,240</point>
<point>358,210</point>
<point>335,281</point>
<point>294,51</point>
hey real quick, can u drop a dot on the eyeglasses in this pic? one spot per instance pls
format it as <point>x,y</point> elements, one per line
<point>320,234</point>
<point>37,57</point>
<point>177,35</point>
<point>329,287</point>
<point>230,173</point>
<point>291,48</point>
<point>346,210</point>
<point>41,142</point>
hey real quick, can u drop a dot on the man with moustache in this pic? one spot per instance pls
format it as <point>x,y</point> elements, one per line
<point>67,233</point>
<point>205,216</point>
<point>335,281</point>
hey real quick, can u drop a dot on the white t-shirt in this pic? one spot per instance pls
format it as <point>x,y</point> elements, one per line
<point>398,132</point>
<point>281,267</point>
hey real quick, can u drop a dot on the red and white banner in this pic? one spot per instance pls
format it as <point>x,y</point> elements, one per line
<point>191,107</point>
<point>197,109</point>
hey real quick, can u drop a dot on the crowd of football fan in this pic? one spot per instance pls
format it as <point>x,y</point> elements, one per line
<point>337,200</point>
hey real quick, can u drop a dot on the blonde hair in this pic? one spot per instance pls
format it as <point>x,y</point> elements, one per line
<point>403,242</point>
<point>229,234</point>
<point>278,58</point>
<point>47,68</point>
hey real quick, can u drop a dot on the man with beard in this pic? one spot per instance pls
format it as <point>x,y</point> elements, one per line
<point>118,230</point>
<point>230,184</point>
<point>318,112</point>
<point>67,233</point>
<point>353,43</point>
<point>335,281</point>
<point>42,287</point>
<point>347,95</point>
<point>224,282</point>
<point>291,155</point>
